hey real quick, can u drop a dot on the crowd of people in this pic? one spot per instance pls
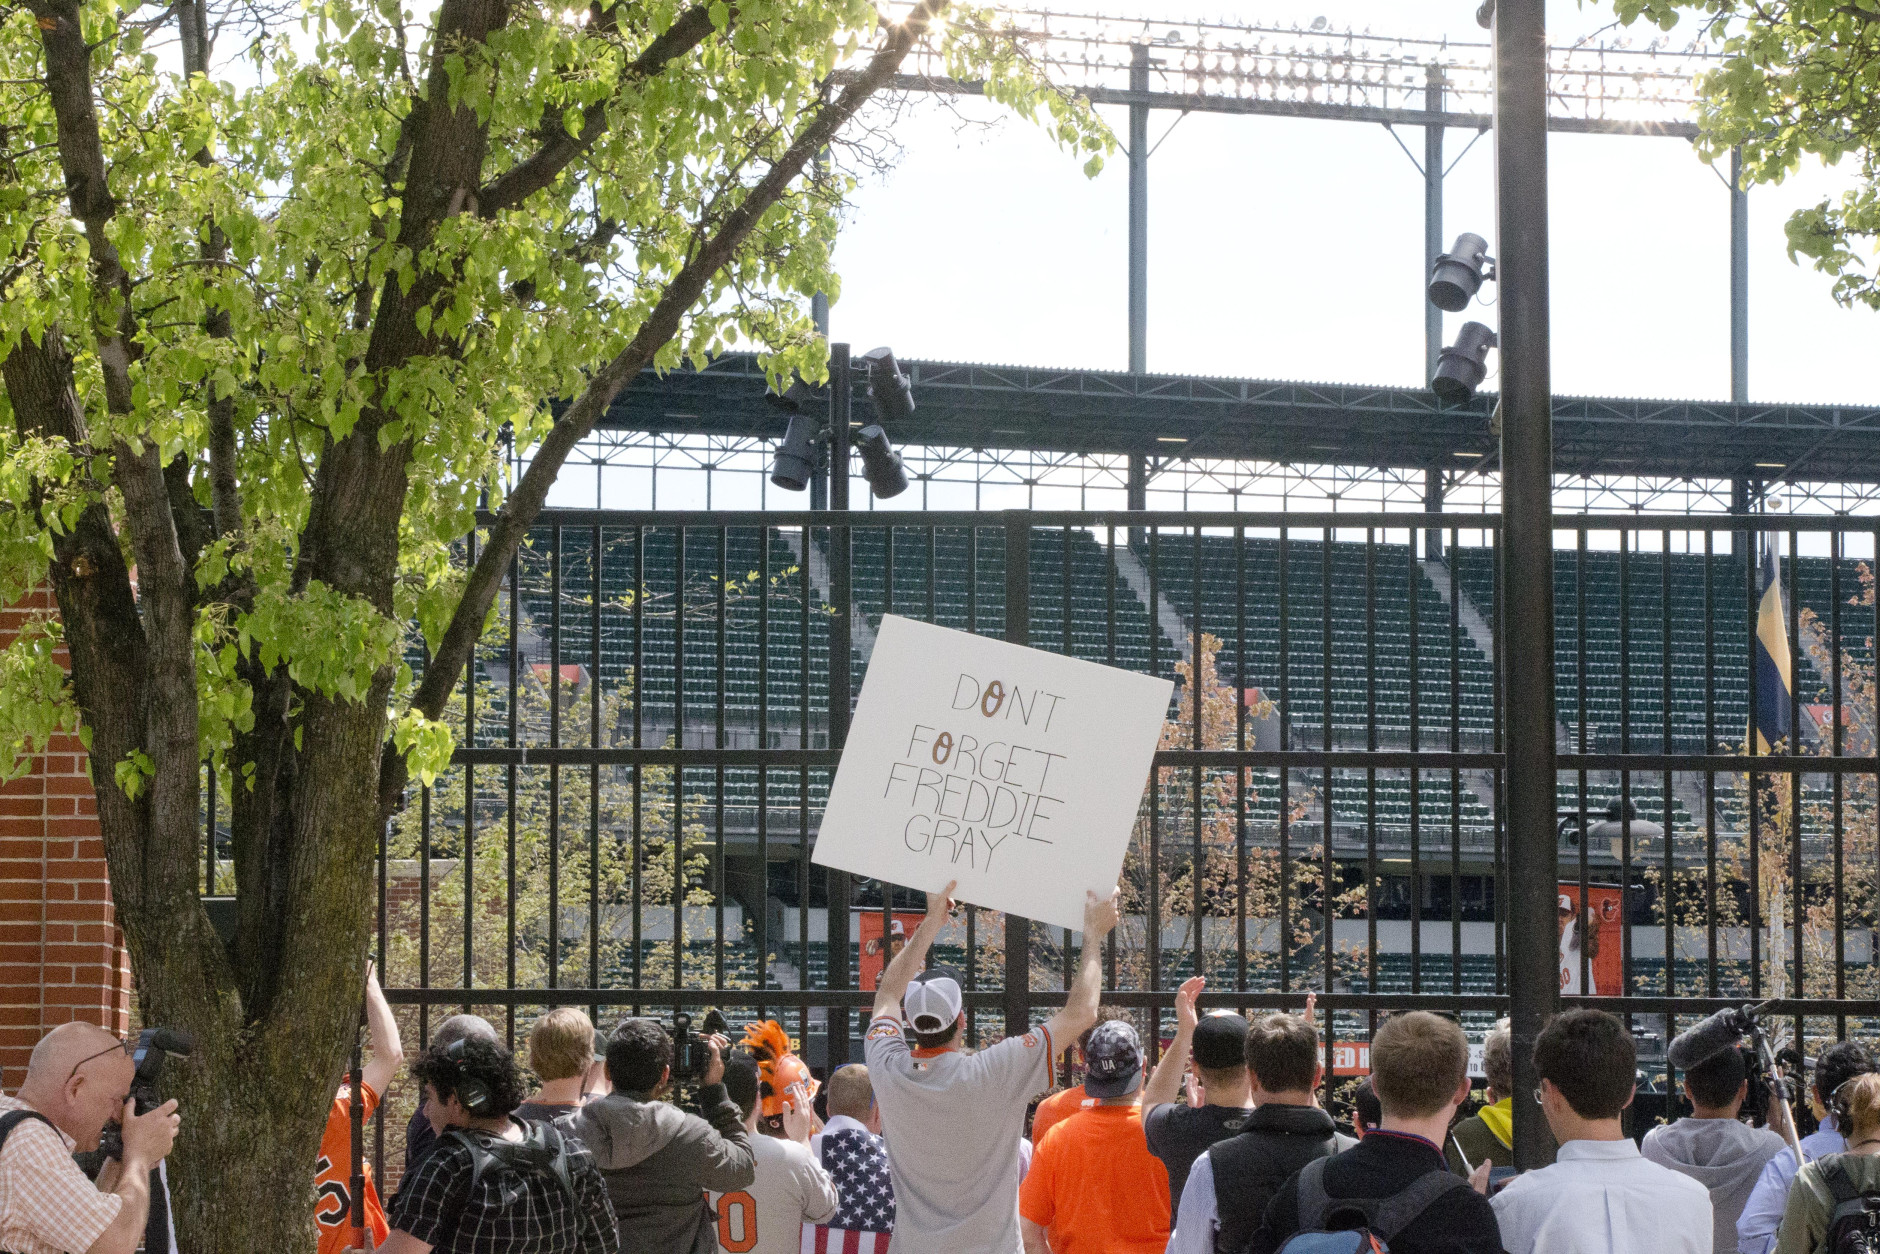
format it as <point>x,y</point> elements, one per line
<point>927,1147</point>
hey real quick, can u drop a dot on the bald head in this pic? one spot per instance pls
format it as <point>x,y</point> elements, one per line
<point>78,1078</point>
<point>462,1028</point>
<point>62,1049</point>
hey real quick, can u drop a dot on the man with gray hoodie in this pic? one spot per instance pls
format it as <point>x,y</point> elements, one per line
<point>658,1161</point>
<point>1713,1147</point>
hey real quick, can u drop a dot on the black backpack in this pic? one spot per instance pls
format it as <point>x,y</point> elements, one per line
<point>1854,1224</point>
<point>1381,1219</point>
<point>541,1150</point>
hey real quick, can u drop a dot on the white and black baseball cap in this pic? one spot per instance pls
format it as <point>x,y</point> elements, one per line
<point>933,1000</point>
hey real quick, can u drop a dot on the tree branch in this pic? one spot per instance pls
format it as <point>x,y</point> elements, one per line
<point>559,149</point>
<point>661,324</point>
<point>164,594</point>
<point>97,606</point>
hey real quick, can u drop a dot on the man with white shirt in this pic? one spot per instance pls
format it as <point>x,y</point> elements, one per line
<point>1600,1196</point>
<point>851,1150</point>
<point>1762,1214</point>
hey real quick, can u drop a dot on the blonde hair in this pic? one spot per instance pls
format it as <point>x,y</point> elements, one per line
<point>1861,1096</point>
<point>561,1044</point>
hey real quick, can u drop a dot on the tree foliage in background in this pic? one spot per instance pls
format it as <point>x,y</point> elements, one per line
<point>279,288</point>
<point>1798,78</point>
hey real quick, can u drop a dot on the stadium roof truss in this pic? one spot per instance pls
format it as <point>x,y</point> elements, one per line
<point>1004,410</point>
<point>1096,429</point>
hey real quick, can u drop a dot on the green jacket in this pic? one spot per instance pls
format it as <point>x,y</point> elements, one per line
<point>1479,1140</point>
<point>1811,1204</point>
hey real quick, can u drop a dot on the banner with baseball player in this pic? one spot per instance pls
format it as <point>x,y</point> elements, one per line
<point>1591,951</point>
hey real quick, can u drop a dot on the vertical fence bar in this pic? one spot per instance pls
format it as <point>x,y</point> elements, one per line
<point>554,742</point>
<point>1017,631</point>
<point>1240,772</point>
<point>1710,777</point>
<point>720,608</point>
<point>1520,42</point>
<point>597,601</point>
<point>1416,777</point>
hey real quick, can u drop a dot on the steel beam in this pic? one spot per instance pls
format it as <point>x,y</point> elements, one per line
<point>1196,102</point>
<point>1139,215</point>
<point>841,403</point>
<point>1739,281</point>
<point>1432,220</point>
<point>1527,556</point>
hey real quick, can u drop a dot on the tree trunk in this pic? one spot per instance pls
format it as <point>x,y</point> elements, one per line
<point>241,1178</point>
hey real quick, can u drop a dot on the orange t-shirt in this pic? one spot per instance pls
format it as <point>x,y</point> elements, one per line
<point>1095,1188</point>
<point>1056,1108</point>
<point>332,1205</point>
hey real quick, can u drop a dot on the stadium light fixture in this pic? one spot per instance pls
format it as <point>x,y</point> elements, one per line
<point>892,391</point>
<point>1463,365</point>
<point>793,465</point>
<point>881,465</point>
<point>1459,273</point>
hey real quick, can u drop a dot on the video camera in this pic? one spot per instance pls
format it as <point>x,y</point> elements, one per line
<point>690,1054</point>
<point>153,1046</point>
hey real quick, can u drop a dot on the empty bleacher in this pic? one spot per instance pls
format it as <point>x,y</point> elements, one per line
<point>956,578</point>
<point>1379,585</point>
<point>721,592</point>
<point>1624,670</point>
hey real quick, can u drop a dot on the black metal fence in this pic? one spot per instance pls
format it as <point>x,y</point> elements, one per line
<point>651,726</point>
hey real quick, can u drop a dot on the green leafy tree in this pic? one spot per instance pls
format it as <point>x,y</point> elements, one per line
<point>272,316</point>
<point>1798,78</point>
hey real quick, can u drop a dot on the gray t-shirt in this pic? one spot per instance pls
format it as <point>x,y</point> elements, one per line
<point>791,1189</point>
<point>952,1123</point>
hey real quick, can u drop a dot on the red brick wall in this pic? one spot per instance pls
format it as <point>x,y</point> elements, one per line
<point>61,956</point>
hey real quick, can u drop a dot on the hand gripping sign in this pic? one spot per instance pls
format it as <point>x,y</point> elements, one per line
<point>1015,771</point>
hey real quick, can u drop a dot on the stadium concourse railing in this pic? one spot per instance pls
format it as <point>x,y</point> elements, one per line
<point>705,665</point>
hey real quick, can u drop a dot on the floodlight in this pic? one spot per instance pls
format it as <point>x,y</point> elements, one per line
<point>881,465</point>
<point>793,465</point>
<point>1459,273</point>
<point>1462,366</point>
<point>891,390</point>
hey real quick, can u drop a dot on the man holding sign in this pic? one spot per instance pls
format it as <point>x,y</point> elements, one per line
<point>953,1120</point>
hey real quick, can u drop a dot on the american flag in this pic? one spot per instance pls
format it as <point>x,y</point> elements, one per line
<point>858,1165</point>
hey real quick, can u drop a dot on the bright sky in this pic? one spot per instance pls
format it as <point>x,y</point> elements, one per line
<point>1293,249</point>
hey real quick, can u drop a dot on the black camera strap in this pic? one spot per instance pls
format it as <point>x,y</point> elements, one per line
<point>14,1118</point>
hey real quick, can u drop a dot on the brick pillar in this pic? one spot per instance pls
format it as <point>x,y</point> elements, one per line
<point>61,955</point>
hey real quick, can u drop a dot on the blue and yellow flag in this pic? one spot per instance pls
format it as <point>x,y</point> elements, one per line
<point>1769,662</point>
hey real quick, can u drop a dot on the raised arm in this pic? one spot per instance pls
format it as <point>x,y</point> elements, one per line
<point>388,1051</point>
<point>1165,1083</point>
<point>1080,1004</point>
<point>913,956</point>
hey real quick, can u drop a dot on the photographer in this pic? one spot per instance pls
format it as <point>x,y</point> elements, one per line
<point>658,1160</point>
<point>78,1078</point>
<point>494,1184</point>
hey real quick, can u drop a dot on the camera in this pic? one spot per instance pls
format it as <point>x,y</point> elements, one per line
<point>153,1046</point>
<point>690,1054</point>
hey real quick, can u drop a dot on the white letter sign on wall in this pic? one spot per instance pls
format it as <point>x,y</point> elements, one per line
<point>1015,771</point>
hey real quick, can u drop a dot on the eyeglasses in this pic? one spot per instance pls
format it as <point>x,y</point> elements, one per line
<point>127,1048</point>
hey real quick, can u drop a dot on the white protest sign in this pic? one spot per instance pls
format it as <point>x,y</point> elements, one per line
<point>1015,771</point>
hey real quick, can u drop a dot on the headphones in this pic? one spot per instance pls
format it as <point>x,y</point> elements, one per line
<point>472,1094</point>
<point>1837,1104</point>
